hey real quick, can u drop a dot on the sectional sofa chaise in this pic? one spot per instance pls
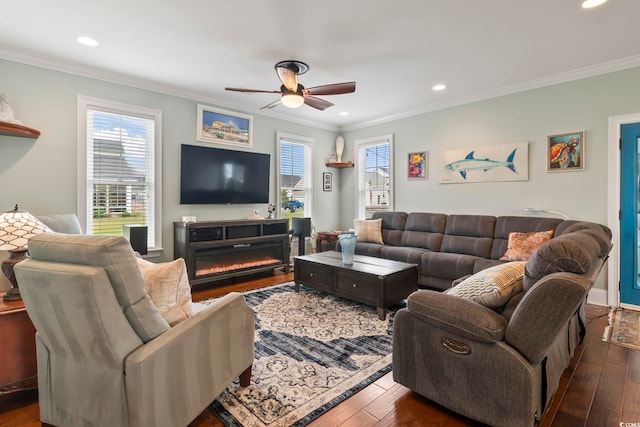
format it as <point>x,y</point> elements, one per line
<point>495,362</point>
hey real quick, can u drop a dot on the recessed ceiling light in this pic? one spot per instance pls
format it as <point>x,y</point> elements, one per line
<point>87,41</point>
<point>344,113</point>
<point>439,87</point>
<point>587,4</point>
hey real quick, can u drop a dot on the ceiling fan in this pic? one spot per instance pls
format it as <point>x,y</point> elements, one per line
<point>293,94</point>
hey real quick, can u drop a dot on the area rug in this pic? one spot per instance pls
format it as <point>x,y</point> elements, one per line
<point>623,328</point>
<point>312,351</point>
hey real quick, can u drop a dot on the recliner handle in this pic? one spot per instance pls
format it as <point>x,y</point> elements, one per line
<point>456,347</point>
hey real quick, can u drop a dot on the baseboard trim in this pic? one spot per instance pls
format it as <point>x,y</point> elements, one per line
<point>597,296</point>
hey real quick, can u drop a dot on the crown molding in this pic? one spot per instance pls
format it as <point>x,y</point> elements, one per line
<point>139,83</point>
<point>581,73</point>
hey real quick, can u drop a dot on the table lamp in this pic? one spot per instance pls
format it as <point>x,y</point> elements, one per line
<point>16,227</point>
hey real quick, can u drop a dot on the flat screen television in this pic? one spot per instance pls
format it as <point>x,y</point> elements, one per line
<point>218,176</point>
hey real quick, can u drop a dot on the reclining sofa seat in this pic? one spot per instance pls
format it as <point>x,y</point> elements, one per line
<point>500,367</point>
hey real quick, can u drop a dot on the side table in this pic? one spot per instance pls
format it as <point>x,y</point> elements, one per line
<point>326,236</point>
<point>18,367</point>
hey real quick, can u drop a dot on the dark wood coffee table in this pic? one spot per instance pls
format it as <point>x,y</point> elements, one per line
<point>374,281</point>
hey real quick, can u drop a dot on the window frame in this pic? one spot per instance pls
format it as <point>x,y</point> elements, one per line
<point>360,170</point>
<point>309,144</point>
<point>86,104</point>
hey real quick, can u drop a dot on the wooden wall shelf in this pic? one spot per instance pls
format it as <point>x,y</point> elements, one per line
<point>339,164</point>
<point>12,129</point>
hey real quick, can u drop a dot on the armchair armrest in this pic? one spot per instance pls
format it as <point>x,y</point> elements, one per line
<point>544,310</point>
<point>457,315</point>
<point>197,359</point>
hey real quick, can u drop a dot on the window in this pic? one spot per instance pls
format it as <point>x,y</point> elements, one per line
<point>374,170</point>
<point>119,162</point>
<point>294,175</point>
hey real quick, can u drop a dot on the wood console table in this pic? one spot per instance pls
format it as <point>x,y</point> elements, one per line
<point>18,367</point>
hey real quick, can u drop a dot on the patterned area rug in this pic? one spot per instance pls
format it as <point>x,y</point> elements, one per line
<point>623,328</point>
<point>312,351</point>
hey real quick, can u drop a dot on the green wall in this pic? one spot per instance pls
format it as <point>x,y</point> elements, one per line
<point>528,117</point>
<point>40,175</point>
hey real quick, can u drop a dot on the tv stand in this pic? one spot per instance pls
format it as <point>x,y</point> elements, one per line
<point>215,250</point>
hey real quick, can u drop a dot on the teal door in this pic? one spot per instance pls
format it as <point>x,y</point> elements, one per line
<point>629,211</point>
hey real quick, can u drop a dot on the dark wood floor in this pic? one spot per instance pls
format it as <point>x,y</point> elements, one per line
<point>601,388</point>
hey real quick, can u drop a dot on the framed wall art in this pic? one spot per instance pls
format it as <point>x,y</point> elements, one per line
<point>506,162</point>
<point>223,126</point>
<point>327,183</point>
<point>417,165</point>
<point>565,152</point>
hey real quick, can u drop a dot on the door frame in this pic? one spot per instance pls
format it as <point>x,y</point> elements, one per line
<point>613,219</point>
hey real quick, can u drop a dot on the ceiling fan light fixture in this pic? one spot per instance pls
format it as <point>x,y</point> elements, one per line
<point>292,100</point>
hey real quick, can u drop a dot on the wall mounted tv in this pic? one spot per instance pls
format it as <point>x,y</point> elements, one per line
<point>217,176</point>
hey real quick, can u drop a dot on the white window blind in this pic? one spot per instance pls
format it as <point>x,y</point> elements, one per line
<point>121,171</point>
<point>375,175</point>
<point>294,175</point>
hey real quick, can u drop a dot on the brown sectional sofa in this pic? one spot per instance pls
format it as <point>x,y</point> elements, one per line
<point>448,247</point>
<point>497,366</point>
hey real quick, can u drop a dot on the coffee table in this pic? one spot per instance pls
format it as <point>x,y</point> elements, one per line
<point>374,281</point>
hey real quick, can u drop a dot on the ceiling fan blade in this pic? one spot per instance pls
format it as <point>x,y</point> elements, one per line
<point>288,78</point>
<point>272,105</point>
<point>238,89</point>
<point>333,89</point>
<point>317,103</point>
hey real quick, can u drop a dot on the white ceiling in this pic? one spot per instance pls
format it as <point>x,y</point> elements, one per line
<point>395,50</point>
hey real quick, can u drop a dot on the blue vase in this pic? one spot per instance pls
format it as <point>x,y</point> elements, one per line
<point>348,247</point>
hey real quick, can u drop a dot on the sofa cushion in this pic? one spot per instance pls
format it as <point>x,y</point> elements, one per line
<point>368,249</point>
<point>168,287</point>
<point>447,266</point>
<point>522,245</point>
<point>403,254</point>
<point>424,230</point>
<point>523,224</point>
<point>572,252</point>
<point>469,234</point>
<point>115,255</point>
<point>368,230</point>
<point>62,223</point>
<point>392,226</point>
<point>492,287</point>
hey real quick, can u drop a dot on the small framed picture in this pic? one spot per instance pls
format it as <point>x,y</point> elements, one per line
<point>326,181</point>
<point>223,126</point>
<point>417,165</point>
<point>565,152</point>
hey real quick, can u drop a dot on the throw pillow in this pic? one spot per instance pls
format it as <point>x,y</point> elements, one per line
<point>168,287</point>
<point>522,245</point>
<point>368,230</point>
<point>492,287</point>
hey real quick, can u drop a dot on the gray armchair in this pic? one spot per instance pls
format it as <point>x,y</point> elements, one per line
<point>105,355</point>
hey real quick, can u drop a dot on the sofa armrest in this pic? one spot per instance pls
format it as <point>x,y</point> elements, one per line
<point>195,360</point>
<point>544,311</point>
<point>457,315</point>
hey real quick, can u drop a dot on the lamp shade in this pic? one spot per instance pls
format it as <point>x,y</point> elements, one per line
<point>16,227</point>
